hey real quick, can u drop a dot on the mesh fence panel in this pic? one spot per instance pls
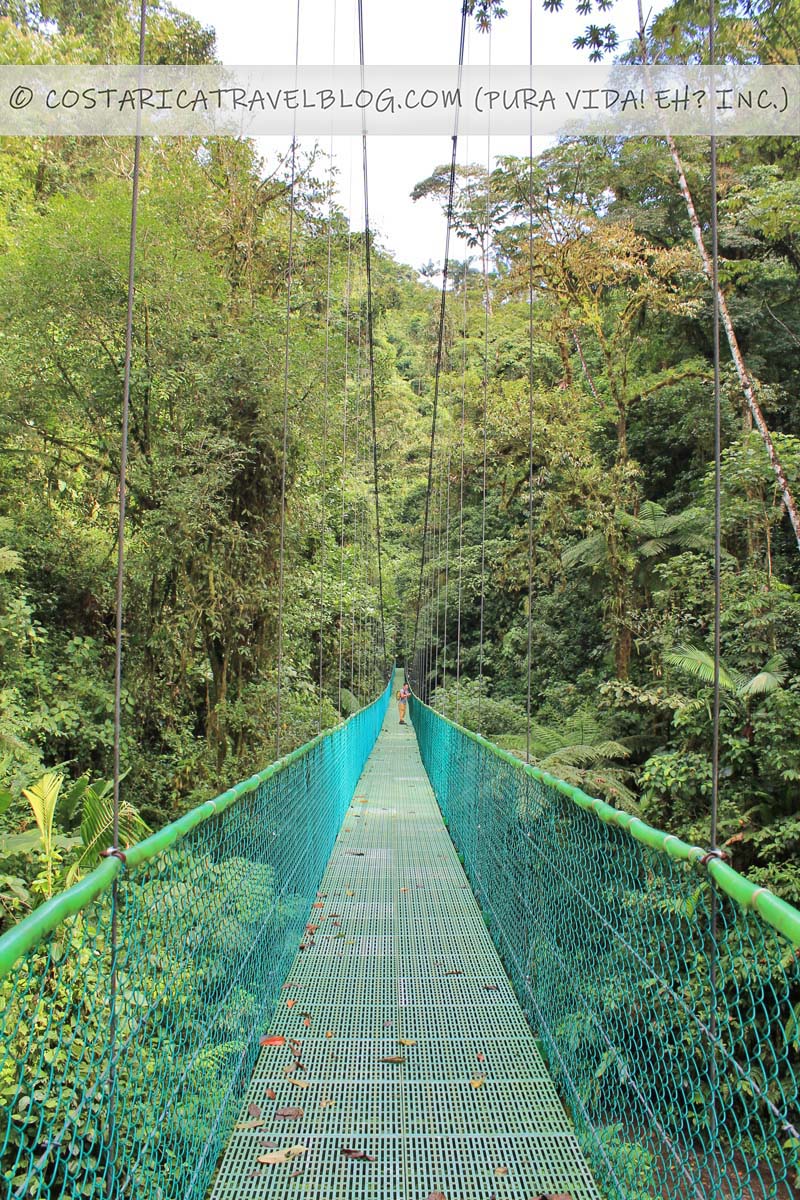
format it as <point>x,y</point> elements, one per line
<point>669,1011</point>
<point>131,1026</point>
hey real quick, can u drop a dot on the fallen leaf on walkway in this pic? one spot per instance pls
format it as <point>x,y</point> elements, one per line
<point>301,1083</point>
<point>289,1114</point>
<point>270,1094</point>
<point>454,972</point>
<point>403,889</point>
<point>348,893</point>
<point>280,1156</point>
<point>312,928</point>
<point>553,1196</point>
<point>501,1171</point>
<point>253,1174</point>
<point>393,1058</point>
<point>491,987</point>
<point>256,1123</point>
<point>357,1154</point>
<point>269,1145</point>
<point>328,1033</point>
<point>290,1003</point>
<point>253,1110</point>
<point>407,1041</point>
<point>437,1196</point>
<point>307,1021</point>
<point>334,916</point>
<point>317,904</point>
<point>326,1102</point>
<point>481,1057</point>
<point>273,1039</point>
<point>355,853</point>
<point>478,1081</point>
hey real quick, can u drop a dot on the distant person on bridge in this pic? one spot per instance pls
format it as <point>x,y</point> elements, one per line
<point>402,701</point>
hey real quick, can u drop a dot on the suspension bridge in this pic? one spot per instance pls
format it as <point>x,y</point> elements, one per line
<point>400,962</point>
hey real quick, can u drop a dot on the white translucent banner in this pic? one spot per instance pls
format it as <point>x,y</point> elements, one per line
<point>320,100</point>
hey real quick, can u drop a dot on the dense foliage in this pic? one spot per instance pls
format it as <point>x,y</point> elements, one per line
<point>621,571</point>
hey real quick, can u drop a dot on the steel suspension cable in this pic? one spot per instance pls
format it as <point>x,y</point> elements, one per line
<point>440,335</point>
<point>123,456</point>
<point>461,496</point>
<point>717,568</point>
<point>285,430</point>
<point>436,571</point>
<point>371,342</point>
<point>529,670</point>
<point>119,613</point>
<point>484,417</point>
<point>345,388</point>
<point>325,399</point>
<point>446,583</point>
<point>717,452</point>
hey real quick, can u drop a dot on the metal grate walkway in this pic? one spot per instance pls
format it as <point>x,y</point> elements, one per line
<point>401,955</point>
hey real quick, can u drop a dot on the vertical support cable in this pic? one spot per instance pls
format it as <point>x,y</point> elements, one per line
<point>371,340</point>
<point>530,400</point>
<point>446,584</point>
<point>717,575</point>
<point>440,337</point>
<point>485,388</point>
<point>325,398</point>
<point>438,572</point>
<point>109,1180</point>
<point>285,433</point>
<point>346,382</point>
<point>461,497</point>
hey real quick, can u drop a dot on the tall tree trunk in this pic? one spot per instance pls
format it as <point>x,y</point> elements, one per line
<point>733,342</point>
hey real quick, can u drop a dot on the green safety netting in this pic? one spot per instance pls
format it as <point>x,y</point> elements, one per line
<point>664,987</point>
<point>132,1004</point>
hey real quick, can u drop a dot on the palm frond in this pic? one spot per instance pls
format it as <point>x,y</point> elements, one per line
<point>700,664</point>
<point>98,823</point>
<point>588,552</point>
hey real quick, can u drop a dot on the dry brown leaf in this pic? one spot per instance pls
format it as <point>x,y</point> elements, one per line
<point>478,1081</point>
<point>256,1123</point>
<point>317,904</point>
<point>393,1058</point>
<point>301,1083</point>
<point>349,893</point>
<point>291,1003</point>
<point>253,1110</point>
<point>357,1154</point>
<point>289,1114</point>
<point>326,1102</point>
<point>328,1033</point>
<point>281,1156</point>
<point>437,1196</point>
<point>481,1057</point>
<point>270,1094</point>
<point>273,1039</point>
<point>500,1171</point>
<point>407,1041</point>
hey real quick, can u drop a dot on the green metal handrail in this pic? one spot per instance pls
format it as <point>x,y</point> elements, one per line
<point>133,1002</point>
<point>665,987</point>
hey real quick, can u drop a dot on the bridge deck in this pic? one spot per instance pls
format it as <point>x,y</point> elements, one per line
<point>401,956</point>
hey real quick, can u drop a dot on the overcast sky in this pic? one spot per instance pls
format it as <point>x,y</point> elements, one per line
<point>404,32</point>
